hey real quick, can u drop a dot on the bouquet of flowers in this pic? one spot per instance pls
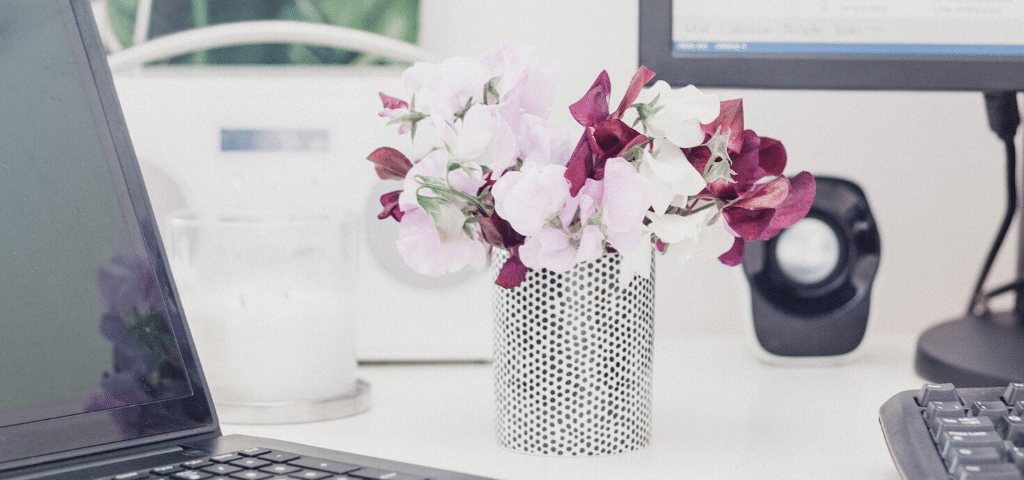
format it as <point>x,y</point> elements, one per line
<point>669,168</point>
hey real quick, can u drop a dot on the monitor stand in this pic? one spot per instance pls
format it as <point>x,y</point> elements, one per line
<point>973,351</point>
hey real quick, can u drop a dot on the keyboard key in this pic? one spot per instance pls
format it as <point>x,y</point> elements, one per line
<point>944,409</point>
<point>279,457</point>
<point>1016,455</point>
<point>280,469</point>
<point>221,469</point>
<point>991,409</point>
<point>964,424</point>
<point>254,451</point>
<point>325,465</point>
<point>937,392</point>
<point>225,458</point>
<point>196,464</point>
<point>310,475</point>
<point>250,475</point>
<point>973,456</point>
<point>250,463</point>
<point>166,470</point>
<point>1014,393</point>
<point>1011,428</point>
<point>952,440</point>
<point>131,476</point>
<point>191,475</point>
<point>999,471</point>
<point>379,474</point>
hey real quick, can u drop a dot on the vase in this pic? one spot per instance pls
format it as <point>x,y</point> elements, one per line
<point>572,361</point>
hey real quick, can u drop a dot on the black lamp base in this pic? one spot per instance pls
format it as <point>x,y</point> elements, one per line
<point>985,351</point>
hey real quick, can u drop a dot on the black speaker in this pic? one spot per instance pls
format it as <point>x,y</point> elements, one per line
<point>811,284</point>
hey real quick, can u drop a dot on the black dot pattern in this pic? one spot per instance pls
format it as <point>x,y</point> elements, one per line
<point>573,360</point>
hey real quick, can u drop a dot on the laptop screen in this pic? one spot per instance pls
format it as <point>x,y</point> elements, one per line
<point>90,335</point>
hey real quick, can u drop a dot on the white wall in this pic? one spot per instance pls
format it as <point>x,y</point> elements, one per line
<point>931,169</point>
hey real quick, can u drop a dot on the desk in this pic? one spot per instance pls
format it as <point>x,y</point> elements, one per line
<point>718,414</point>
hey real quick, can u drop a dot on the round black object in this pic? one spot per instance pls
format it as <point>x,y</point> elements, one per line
<point>811,284</point>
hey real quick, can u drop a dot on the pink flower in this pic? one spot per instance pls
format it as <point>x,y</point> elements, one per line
<point>554,250</point>
<point>530,198</point>
<point>483,136</point>
<point>626,199</point>
<point>522,79</point>
<point>422,249</point>
<point>440,90</point>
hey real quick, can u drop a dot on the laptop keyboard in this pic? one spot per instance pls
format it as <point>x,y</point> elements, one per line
<point>263,464</point>
<point>942,431</point>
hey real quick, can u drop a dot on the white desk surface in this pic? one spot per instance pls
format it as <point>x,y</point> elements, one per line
<point>718,413</point>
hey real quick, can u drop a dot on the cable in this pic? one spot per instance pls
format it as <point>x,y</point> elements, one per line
<point>1003,119</point>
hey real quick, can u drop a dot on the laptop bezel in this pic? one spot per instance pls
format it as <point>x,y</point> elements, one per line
<point>83,434</point>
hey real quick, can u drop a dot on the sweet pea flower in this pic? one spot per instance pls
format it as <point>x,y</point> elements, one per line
<point>677,114</point>
<point>521,78</point>
<point>625,201</point>
<point>576,236</point>
<point>553,249</point>
<point>670,174</point>
<point>483,136</point>
<point>530,198</point>
<point>440,90</point>
<point>422,249</point>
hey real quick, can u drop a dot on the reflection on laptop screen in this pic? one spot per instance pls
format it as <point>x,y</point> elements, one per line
<point>83,326</point>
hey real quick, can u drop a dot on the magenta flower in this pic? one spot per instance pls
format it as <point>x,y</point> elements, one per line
<point>757,201</point>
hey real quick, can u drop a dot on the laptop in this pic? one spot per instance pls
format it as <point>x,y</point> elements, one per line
<point>99,378</point>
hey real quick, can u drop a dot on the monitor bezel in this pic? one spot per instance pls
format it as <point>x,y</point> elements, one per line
<point>75,435</point>
<point>817,71</point>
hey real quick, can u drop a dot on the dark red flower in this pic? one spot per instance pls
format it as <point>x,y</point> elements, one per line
<point>390,163</point>
<point>390,203</point>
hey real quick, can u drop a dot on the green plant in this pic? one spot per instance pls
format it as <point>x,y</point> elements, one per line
<point>393,18</point>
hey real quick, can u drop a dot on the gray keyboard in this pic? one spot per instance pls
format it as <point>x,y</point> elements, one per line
<point>943,432</point>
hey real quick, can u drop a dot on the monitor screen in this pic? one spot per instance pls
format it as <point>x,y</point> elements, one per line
<point>836,44</point>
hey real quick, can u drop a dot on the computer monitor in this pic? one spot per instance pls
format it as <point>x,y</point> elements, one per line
<point>965,45</point>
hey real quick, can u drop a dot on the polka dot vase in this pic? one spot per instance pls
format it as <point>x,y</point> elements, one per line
<point>573,360</point>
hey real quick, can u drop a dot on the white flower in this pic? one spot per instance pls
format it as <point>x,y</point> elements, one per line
<point>682,112</point>
<point>636,262</point>
<point>670,174</point>
<point>690,235</point>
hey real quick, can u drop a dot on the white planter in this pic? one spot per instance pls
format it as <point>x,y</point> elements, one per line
<point>573,356</point>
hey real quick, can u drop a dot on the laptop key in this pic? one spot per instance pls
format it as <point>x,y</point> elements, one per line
<point>280,469</point>
<point>250,475</point>
<point>254,451</point>
<point>279,457</point>
<point>379,474</point>
<point>221,469</point>
<point>311,475</point>
<point>251,463</point>
<point>325,465</point>
<point>191,475</point>
<point>131,476</point>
